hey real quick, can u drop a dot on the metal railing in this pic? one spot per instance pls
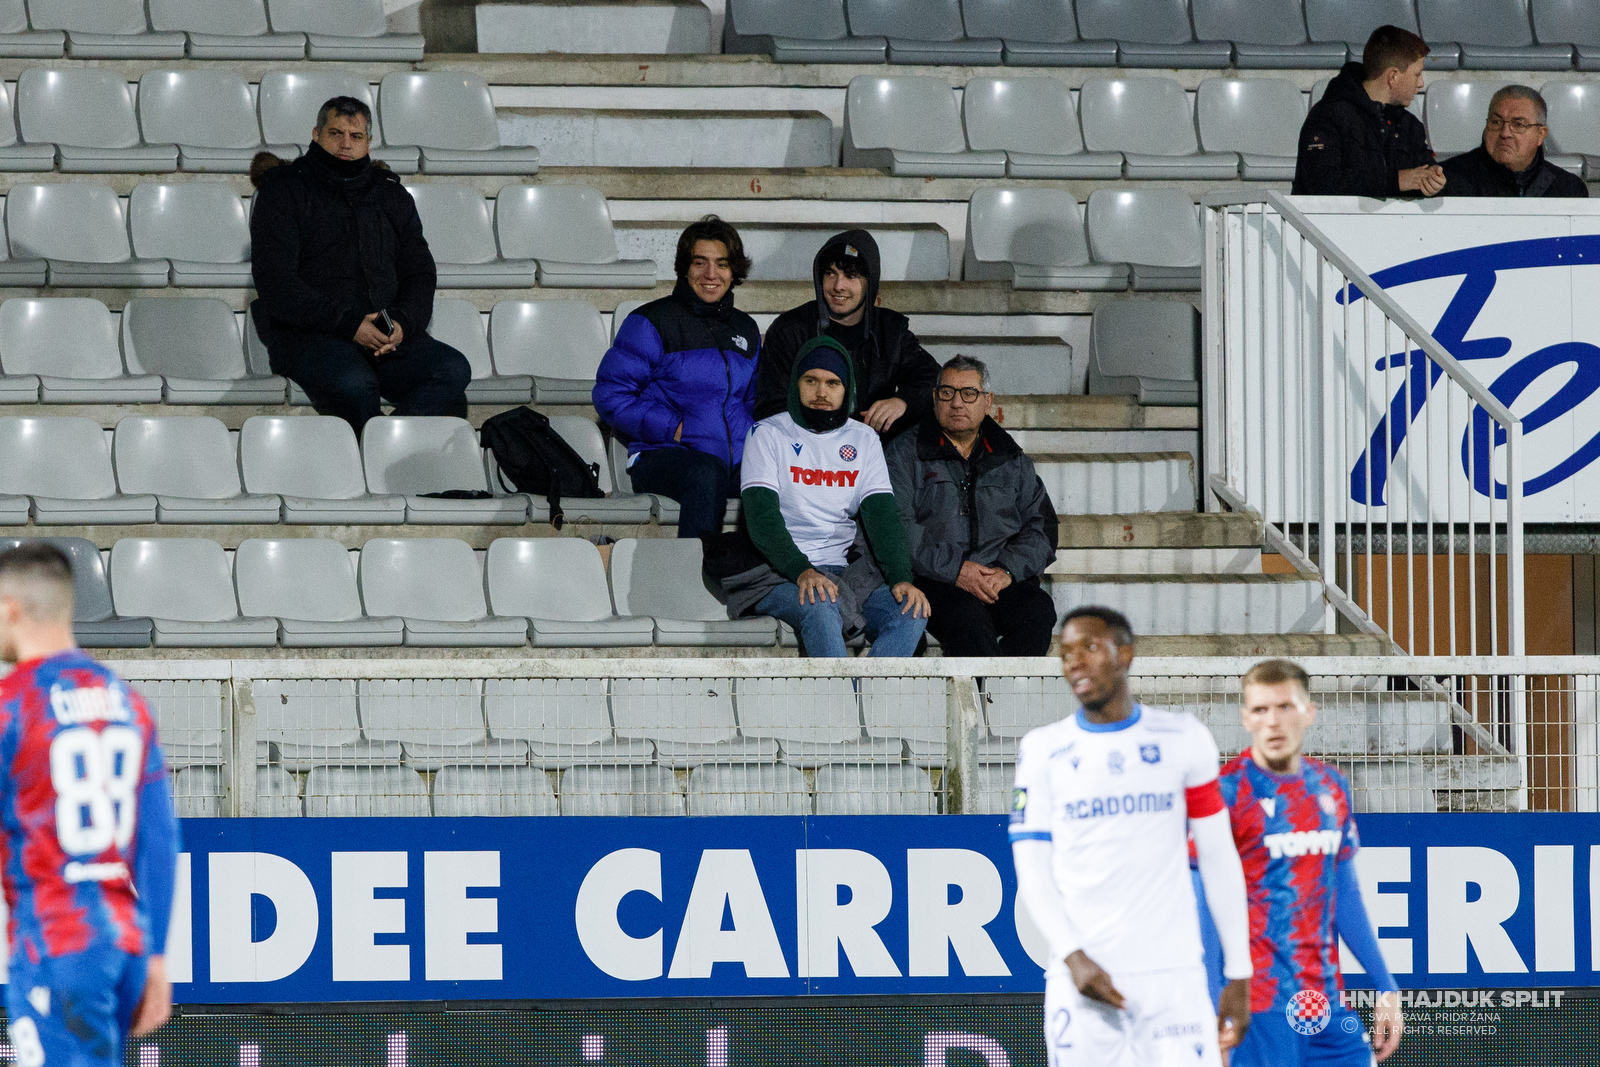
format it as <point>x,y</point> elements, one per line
<point>1375,460</point>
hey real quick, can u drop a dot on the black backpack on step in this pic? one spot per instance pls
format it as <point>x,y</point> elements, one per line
<point>537,460</point>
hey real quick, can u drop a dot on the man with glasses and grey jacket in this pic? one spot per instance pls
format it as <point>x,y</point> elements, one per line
<point>981,526</point>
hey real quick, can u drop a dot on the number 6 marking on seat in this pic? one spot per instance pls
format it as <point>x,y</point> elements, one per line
<point>95,776</point>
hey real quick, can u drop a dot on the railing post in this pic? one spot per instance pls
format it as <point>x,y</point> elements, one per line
<point>963,730</point>
<point>239,771</point>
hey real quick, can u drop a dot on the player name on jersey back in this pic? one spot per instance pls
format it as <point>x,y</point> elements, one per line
<point>91,704</point>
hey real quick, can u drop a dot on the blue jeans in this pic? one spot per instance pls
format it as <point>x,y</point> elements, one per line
<point>700,483</point>
<point>421,377</point>
<point>821,628</point>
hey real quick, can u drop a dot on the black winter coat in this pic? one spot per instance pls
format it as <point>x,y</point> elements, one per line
<point>1475,173</point>
<point>1351,145</point>
<point>327,250</point>
<point>889,360</point>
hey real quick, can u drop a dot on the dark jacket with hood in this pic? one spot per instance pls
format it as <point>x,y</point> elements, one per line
<point>1475,173</point>
<point>680,359</point>
<point>991,508</point>
<point>332,241</point>
<point>1351,145</point>
<point>889,361</point>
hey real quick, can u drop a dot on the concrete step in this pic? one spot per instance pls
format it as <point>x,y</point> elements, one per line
<point>1156,561</point>
<point>628,27</point>
<point>1435,783</point>
<point>628,137</point>
<point>1199,604</point>
<point>1167,529</point>
<point>1109,484</point>
<point>917,252</point>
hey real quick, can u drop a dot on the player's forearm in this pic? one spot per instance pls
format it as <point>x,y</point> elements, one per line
<point>1223,876</point>
<point>155,868</point>
<point>1351,920</point>
<point>1038,889</point>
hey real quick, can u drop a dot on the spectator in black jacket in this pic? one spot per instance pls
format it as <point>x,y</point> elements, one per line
<point>1359,139</point>
<point>895,375</point>
<point>1510,161</point>
<point>336,246</point>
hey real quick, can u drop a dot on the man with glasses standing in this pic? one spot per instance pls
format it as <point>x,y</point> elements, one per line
<point>981,526</point>
<point>1510,161</point>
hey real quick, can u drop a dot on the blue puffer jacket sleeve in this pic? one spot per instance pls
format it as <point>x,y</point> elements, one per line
<point>622,388</point>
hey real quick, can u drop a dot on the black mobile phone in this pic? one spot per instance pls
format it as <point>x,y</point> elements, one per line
<point>385,323</point>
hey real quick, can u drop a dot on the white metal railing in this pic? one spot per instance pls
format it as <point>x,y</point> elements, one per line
<point>1375,460</point>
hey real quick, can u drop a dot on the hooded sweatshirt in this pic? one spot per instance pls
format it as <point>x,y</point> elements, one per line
<point>1351,145</point>
<point>889,360</point>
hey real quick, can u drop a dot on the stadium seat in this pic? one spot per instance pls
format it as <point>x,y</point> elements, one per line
<point>208,113</point>
<point>559,585</point>
<point>14,154</point>
<point>436,586</point>
<point>558,343</point>
<point>78,228</point>
<point>910,126</point>
<point>226,29</point>
<point>903,709</point>
<point>309,585</point>
<point>666,509</point>
<point>193,343</point>
<point>1019,366</point>
<point>189,718</point>
<point>1574,124</point>
<point>1033,121</point>
<point>17,271</point>
<point>19,40</point>
<point>95,623</point>
<point>277,794</point>
<point>855,789</point>
<point>1456,112</point>
<point>184,585</point>
<point>1033,238</point>
<point>190,464</point>
<point>288,102</point>
<point>197,792</point>
<point>349,29</point>
<point>1352,21</point>
<point>459,324</point>
<point>1150,122</point>
<point>70,345</point>
<point>105,29</point>
<point>475,791</point>
<point>456,222</point>
<point>660,578</point>
<point>200,227</point>
<point>437,721</point>
<point>421,455</point>
<point>748,789</point>
<point>1265,33</point>
<point>814,720</point>
<point>691,720</point>
<point>995,782</point>
<point>797,31</point>
<point>620,791</point>
<point>1013,706</point>
<point>314,464</point>
<point>926,32</point>
<point>1258,118</point>
<point>1036,33</point>
<point>1492,34</point>
<point>449,116</point>
<point>1145,348</point>
<point>346,792</point>
<point>584,437</point>
<point>567,228</point>
<point>1155,231</point>
<point>565,721</point>
<point>1150,33</point>
<point>314,721</point>
<point>87,114</point>
<point>1574,22</point>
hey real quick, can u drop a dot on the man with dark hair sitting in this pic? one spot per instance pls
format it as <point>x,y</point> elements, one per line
<point>1511,160</point>
<point>345,279</point>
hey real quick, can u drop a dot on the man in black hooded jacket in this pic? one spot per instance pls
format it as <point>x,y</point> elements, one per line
<point>336,245</point>
<point>895,375</point>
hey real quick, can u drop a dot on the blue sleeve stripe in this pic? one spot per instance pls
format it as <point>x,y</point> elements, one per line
<point>1030,835</point>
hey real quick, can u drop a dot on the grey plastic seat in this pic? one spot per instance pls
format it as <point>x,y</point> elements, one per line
<point>910,125</point>
<point>201,228</point>
<point>1352,21</point>
<point>856,789</point>
<point>1155,231</point>
<point>189,714</point>
<point>19,40</point>
<point>566,722</point>
<point>1150,122</point>
<point>438,722</point>
<point>814,720</point>
<point>621,791</point>
<point>378,792</point>
<point>1033,238</point>
<point>479,791</point>
<point>557,343</point>
<point>190,464</point>
<point>184,585</point>
<point>78,229</point>
<point>1036,33</point>
<point>584,437</point>
<point>922,31</point>
<point>1493,34</point>
<point>105,29</point>
<point>796,31</point>
<point>457,222</point>
<point>226,29</point>
<point>349,29</point>
<point>1150,33</point>
<point>1456,113</point>
<point>1020,366</point>
<point>314,464</point>
<point>748,789</point>
<point>70,345</point>
<point>1574,121</point>
<point>86,112</point>
<point>95,623</point>
<point>690,720</point>
<point>1574,22</point>
<point>1265,33</point>
<point>660,578</point>
<point>64,463</point>
<point>14,154</point>
<point>30,271</point>
<point>277,794</point>
<point>667,510</point>
<point>193,343</point>
<point>288,102</point>
<point>567,228</point>
<point>208,113</point>
<point>1145,348</point>
<point>906,710</point>
<point>314,721</point>
<point>1013,706</point>
<point>559,585</point>
<point>413,456</point>
<point>995,782</point>
<point>449,116</point>
<point>309,585</point>
<point>459,324</point>
<point>435,585</point>
<point>1033,121</point>
<point>1259,118</point>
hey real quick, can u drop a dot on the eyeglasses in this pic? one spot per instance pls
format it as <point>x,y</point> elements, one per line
<point>947,393</point>
<point>1518,126</point>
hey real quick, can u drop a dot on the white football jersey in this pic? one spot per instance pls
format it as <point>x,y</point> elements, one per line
<point>1114,802</point>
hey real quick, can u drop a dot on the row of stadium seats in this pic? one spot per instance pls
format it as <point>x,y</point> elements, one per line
<point>209,119</point>
<point>1475,34</point>
<point>203,29</point>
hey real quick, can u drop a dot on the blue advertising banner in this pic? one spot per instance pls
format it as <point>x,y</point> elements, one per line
<point>282,910</point>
